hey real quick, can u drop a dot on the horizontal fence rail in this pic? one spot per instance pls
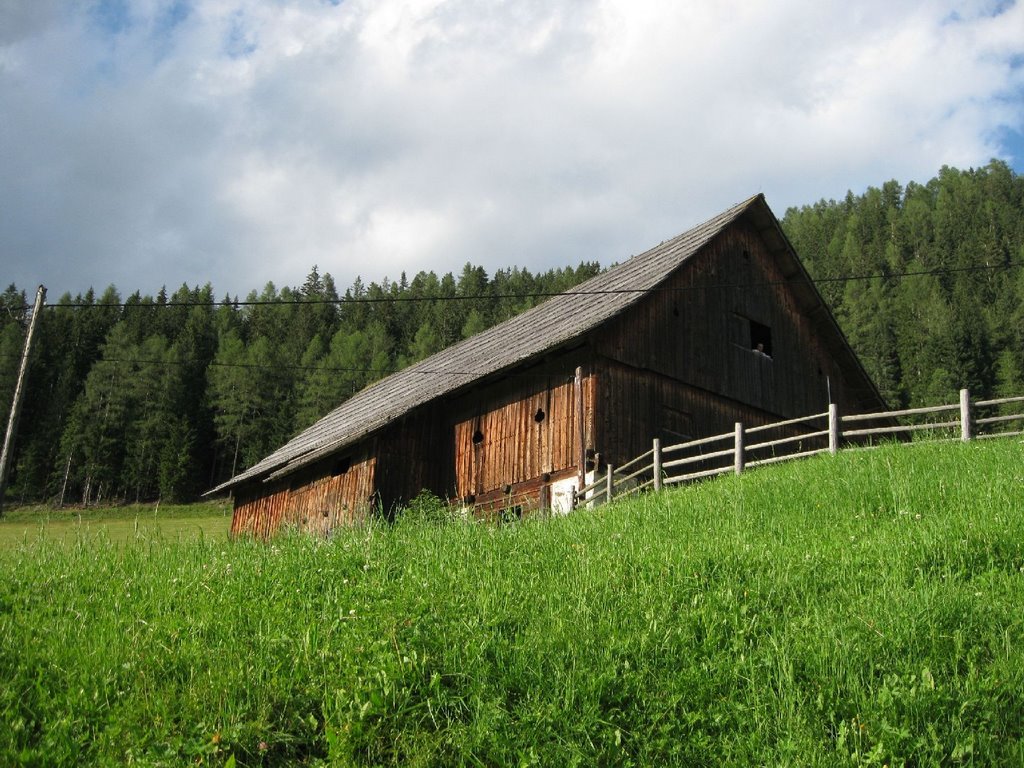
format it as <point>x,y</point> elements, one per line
<point>802,437</point>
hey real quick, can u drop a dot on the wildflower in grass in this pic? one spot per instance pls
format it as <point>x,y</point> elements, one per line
<point>263,746</point>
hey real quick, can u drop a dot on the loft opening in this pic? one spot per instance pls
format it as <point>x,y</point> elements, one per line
<point>760,338</point>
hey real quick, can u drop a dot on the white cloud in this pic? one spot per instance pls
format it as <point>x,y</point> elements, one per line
<point>244,141</point>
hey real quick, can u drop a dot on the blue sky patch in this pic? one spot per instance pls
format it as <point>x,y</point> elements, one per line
<point>112,16</point>
<point>1012,142</point>
<point>172,16</point>
<point>1000,7</point>
<point>239,42</point>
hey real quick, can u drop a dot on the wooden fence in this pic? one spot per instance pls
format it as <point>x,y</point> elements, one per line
<point>826,432</point>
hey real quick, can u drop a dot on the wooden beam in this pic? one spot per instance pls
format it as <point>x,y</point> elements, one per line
<point>581,454</point>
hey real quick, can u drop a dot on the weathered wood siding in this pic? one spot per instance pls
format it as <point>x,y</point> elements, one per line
<point>414,453</point>
<point>520,432</point>
<point>638,405</point>
<point>334,493</point>
<point>520,498</point>
<point>701,329</point>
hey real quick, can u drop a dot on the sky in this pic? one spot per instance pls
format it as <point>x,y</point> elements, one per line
<point>150,143</point>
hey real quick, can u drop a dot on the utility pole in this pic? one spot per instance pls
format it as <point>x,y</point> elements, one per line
<point>19,389</point>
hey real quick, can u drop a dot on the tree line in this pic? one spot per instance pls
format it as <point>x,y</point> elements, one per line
<point>940,305</point>
<point>165,396</point>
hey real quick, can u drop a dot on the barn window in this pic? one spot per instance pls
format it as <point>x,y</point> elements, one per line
<point>760,338</point>
<point>341,466</point>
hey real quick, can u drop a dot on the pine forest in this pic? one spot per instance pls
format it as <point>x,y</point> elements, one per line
<point>145,397</point>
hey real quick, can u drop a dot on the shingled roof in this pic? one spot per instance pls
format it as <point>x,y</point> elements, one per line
<point>550,325</point>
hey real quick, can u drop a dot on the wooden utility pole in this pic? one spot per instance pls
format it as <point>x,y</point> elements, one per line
<point>19,389</point>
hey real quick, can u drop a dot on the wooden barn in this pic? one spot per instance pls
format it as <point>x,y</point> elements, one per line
<point>718,325</point>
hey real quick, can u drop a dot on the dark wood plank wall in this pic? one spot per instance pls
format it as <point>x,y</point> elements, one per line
<point>520,498</point>
<point>637,405</point>
<point>415,453</point>
<point>526,428</point>
<point>334,493</point>
<point>699,331</point>
<point>530,437</point>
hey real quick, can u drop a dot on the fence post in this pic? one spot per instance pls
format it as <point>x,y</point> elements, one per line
<point>965,415</point>
<point>657,464</point>
<point>609,485</point>
<point>738,450</point>
<point>833,428</point>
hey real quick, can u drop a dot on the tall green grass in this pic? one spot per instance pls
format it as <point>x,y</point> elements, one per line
<point>864,609</point>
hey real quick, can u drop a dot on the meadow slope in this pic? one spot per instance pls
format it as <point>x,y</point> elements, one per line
<point>863,609</point>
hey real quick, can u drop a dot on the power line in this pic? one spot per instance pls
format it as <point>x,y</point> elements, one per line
<point>536,294</point>
<point>409,299</point>
<point>292,367</point>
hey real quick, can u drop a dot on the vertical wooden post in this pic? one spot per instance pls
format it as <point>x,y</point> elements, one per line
<point>833,428</point>
<point>965,415</point>
<point>19,389</point>
<point>657,464</point>
<point>738,457</point>
<point>581,434</point>
<point>609,484</point>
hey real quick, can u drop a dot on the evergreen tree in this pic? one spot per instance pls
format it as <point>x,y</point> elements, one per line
<point>474,324</point>
<point>314,397</point>
<point>99,419</point>
<point>13,321</point>
<point>426,342</point>
<point>235,398</point>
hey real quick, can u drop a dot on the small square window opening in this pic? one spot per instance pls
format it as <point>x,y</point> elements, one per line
<point>760,338</point>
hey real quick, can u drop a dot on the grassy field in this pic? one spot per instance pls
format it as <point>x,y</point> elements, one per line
<point>864,609</point>
<point>117,524</point>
